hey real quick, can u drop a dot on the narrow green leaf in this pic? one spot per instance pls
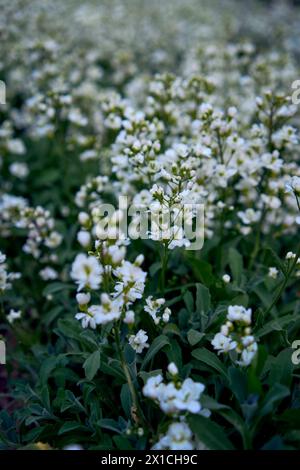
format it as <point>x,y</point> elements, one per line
<point>91,365</point>
<point>209,433</point>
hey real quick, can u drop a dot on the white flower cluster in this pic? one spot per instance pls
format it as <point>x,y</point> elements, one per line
<point>178,437</point>
<point>40,226</point>
<point>6,278</point>
<point>175,397</point>
<point>235,335</point>
<point>127,281</point>
<point>294,186</point>
<point>154,308</point>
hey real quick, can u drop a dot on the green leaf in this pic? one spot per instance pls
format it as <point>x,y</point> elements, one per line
<point>275,325</point>
<point>126,400</point>
<point>291,417</point>
<point>110,424</point>
<point>235,261</point>
<point>171,328</point>
<point>122,443</point>
<point>211,359</point>
<point>55,287</point>
<point>70,426</point>
<point>263,294</point>
<point>273,398</point>
<point>202,271</point>
<point>189,301</point>
<point>91,365</point>
<point>194,337</point>
<point>282,368</point>
<point>113,368</point>
<point>211,434</point>
<point>156,346</point>
<point>203,299</point>
<point>238,383</point>
<point>52,314</point>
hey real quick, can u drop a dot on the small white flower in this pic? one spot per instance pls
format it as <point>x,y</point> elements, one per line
<point>172,368</point>
<point>139,341</point>
<point>226,278</point>
<point>83,218</point>
<point>249,216</point>
<point>239,313</point>
<point>178,437</point>
<point>84,238</point>
<point>152,387</point>
<point>18,169</point>
<point>109,310</point>
<point>273,272</point>
<point>290,255</point>
<point>166,315</point>
<point>83,299</point>
<point>13,315</point>
<point>222,343</point>
<point>48,274</point>
<point>87,319</point>
<point>293,186</point>
<point>129,317</point>
<point>87,272</point>
<point>188,396</point>
<point>248,354</point>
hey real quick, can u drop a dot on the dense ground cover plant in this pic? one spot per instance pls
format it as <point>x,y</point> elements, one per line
<point>118,342</point>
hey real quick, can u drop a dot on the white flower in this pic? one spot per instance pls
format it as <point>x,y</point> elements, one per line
<point>172,368</point>
<point>152,387</point>
<point>139,341</point>
<point>18,169</point>
<point>130,273</point>
<point>290,255</point>
<point>294,185</point>
<point>87,319</point>
<point>239,313</point>
<point>153,306</point>
<point>129,317</point>
<point>83,299</point>
<point>249,216</point>
<point>223,343</point>
<point>84,238</point>
<point>226,278</point>
<point>178,437</point>
<point>109,310</point>
<point>189,395</point>
<point>83,218</point>
<point>13,315</point>
<point>6,277</point>
<point>129,293</point>
<point>175,399</point>
<point>166,315</point>
<point>87,272</point>
<point>167,398</point>
<point>48,274</point>
<point>53,240</point>
<point>248,354</point>
<point>273,272</point>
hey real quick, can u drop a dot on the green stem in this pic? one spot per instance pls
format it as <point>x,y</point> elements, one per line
<point>134,397</point>
<point>287,275</point>
<point>164,267</point>
<point>284,284</point>
<point>257,239</point>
